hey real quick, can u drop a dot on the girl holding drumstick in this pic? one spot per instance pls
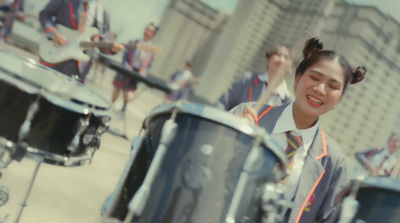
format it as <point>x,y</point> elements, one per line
<point>318,169</point>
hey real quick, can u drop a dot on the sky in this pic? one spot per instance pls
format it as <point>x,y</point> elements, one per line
<point>130,17</point>
<point>390,7</point>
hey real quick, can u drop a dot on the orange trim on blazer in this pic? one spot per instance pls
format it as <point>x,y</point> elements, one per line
<point>308,197</point>
<point>71,13</point>
<point>250,93</point>
<point>50,29</point>
<point>264,113</point>
<point>324,146</point>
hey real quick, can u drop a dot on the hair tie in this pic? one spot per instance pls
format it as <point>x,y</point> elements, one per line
<point>358,74</point>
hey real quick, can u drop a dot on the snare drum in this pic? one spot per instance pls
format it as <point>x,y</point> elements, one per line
<point>378,199</point>
<point>199,178</point>
<point>54,115</point>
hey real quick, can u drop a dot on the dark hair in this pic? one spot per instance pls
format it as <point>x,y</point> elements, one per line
<point>391,136</point>
<point>275,50</point>
<point>313,54</point>
<point>187,63</point>
<point>156,28</point>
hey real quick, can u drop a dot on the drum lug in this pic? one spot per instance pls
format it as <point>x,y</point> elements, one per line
<point>250,164</point>
<point>25,128</point>
<point>3,195</point>
<point>83,124</point>
<point>20,151</point>
<point>91,140</point>
<point>139,200</point>
<point>274,203</point>
<point>350,204</point>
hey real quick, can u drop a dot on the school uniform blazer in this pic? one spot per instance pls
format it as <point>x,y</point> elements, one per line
<point>365,158</point>
<point>322,177</point>
<point>246,89</point>
<point>127,60</point>
<point>6,30</point>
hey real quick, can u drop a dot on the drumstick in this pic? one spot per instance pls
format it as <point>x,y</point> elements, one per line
<point>272,85</point>
<point>280,75</point>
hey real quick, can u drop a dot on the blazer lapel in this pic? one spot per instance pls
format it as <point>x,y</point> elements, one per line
<point>311,176</point>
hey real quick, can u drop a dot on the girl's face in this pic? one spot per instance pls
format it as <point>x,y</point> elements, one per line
<point>319,89</point>
<point>278,59</point>
<point>149,32</point>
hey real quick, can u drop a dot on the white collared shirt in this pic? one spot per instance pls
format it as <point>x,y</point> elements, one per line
<point>280,93</point>
<point>379,160</point>
<point>286,123</point>
<point>142,55</point>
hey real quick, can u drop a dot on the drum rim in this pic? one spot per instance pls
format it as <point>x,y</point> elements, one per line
<point>225,118</point>
<point>59,160</point>
<point>370,182</point>
<point>53,95</point>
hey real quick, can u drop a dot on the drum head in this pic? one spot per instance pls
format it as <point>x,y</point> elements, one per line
<point>199,177</point>
<point>221,117</point>
<point>59,89</point>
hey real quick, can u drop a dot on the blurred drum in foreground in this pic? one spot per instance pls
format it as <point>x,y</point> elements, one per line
<point>195,164</point>
<point>45,113</point>
<point>375,199</point>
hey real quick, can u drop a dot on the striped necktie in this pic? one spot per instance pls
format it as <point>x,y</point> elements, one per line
<point>294,142</point>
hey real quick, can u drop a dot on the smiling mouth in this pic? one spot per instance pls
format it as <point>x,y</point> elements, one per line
<point>314,101</point>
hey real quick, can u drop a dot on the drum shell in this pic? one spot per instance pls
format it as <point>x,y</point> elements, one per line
<point>379,201</point>
<point>190,186</point>
<point>52,127</point>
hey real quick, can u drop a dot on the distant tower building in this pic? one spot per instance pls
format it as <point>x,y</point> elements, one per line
<point>185,28</point>
<point>255,27</point>
<point>369,111</point>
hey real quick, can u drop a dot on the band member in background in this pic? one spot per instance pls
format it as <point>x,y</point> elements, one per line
<point>182,81</point>
<point>100,60</point>
<point>380,161</point>
<point>137,60</point>
<point>317,164</point>
<point>13,9</point>
<point>251,85</point>
<point>97,17</point>
<point>72,14</point>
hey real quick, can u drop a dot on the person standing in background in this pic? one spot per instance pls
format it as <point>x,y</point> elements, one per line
<point>249,87</point>
<point>317,169</point>
<point>97,17</point>
<point>72,14</point>
<point>182,81</point>
<point>11,9</point>
<point>136,60</point>
<point>380,161</point>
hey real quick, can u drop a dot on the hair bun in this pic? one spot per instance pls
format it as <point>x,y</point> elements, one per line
<point>311,46</point>
<point>358,74</point>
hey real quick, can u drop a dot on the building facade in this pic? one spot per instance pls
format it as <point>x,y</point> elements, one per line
<point>185,28</point>
<point>369,111</point>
